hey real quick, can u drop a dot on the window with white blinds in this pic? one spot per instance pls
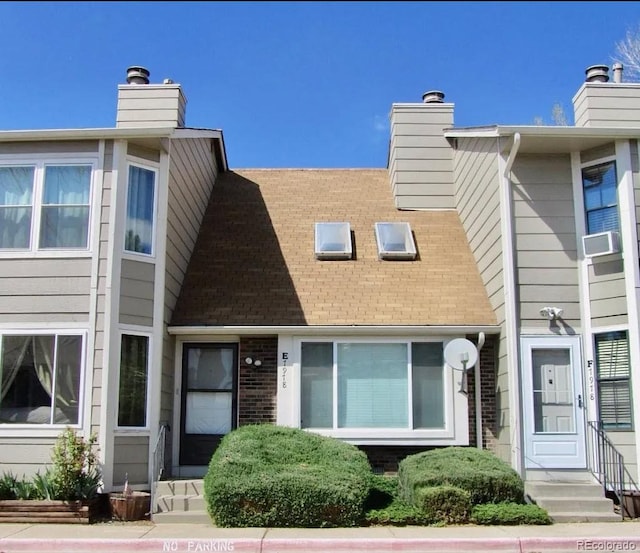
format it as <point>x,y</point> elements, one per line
<point>614,380</point>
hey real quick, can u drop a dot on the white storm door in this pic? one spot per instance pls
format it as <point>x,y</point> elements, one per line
<point>554,425</point>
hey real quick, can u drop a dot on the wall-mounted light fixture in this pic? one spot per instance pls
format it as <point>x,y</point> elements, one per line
<point>551,313</point>
<point>254,362</point>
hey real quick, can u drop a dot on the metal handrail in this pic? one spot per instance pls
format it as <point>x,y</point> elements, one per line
<point>606,463</point>
<point>157,458</point>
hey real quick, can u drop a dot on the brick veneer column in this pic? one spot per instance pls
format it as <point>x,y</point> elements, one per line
<point>257,385</point>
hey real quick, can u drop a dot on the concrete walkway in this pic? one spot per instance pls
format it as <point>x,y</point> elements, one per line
<point>125,537</point>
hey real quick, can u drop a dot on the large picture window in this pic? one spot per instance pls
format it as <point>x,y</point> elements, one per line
<point>372,385</point>
<point>139,228</point>
<point>45,206</point>
<point>132,395</point>
<point>614,380</point>
<point>40,379</point>
<point>601,197</point>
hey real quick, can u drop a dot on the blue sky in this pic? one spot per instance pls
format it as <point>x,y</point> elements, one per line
<point>303,84</point>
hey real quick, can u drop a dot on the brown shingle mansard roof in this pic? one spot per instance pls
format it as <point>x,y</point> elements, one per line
<point>254,261</point>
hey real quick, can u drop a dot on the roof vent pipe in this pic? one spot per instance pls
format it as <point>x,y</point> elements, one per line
<point>137,75</point>
<point>597,74</point>
<point>433,97</point>
<point>617,72</point>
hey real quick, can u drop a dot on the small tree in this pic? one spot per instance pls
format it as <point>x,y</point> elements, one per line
<point>628,53</point>
<point>75,473</point>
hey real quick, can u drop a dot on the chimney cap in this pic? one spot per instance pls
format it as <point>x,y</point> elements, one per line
<point>136,74</point>
<point>597,74</point>
<point>433,97</point>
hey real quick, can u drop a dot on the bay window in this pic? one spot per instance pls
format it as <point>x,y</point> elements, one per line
<point>40,378</point>
<point>372,385</point>
<point>45,206</point>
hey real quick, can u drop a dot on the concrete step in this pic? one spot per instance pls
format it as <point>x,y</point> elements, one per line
<point>564,489</point>
<point>582,517</point>
<point>590,506</point>
<point>182,517</point>
<point>180,502</point>
<point>180,487</point>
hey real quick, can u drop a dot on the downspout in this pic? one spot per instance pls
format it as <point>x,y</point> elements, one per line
<point>478,394</point>
<point>511,328</point>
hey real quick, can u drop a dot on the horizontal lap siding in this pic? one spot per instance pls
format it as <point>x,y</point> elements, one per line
<point>130,460</point>
<point>545,238</point>
<point>44,290</point>
<point>25,456</point>
<point>136,292</point>
<point>420,158</point>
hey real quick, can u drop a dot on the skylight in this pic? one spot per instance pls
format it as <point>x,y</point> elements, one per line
<point>395,241</point>
<point>333,241</point>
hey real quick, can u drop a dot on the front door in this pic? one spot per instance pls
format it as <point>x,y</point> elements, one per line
<point>554,423</point>
<point>209,398</point>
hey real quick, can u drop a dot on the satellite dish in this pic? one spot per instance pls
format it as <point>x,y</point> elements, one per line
<point>460,354</point>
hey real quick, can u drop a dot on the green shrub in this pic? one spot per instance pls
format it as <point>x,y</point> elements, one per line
<point>487,478</point>
<point>8,482</point>
<point>509,513</point>
<point>397,513</point>
<point>75,473</point>
<point>444,504</point>
<point>382,492</point>
<point>272,476</point>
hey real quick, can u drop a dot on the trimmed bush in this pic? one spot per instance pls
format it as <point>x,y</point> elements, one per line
<point>508,514</point>
<point>383,491</point>
<point>487,478</point>
<point>444,504</point>
<point>397,513</point>
<point>272,476</point>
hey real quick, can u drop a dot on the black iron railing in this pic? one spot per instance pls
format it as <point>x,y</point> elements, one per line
<point>606,463</point>
<point>157,460</point>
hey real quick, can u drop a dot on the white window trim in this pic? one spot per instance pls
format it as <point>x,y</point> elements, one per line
<point>594,163</point>
<point>39,162</point>
<point>456,428</point>
<point>132,330</point>
<point>345,253</point>
<point>409,253</point>
<point>49,430</point>
<point>149,166</point>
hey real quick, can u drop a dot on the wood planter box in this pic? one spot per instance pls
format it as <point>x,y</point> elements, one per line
<point>39,511</point>
<point>136,506</point>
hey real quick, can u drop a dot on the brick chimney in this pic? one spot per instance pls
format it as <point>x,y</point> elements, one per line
<point>141,104</point>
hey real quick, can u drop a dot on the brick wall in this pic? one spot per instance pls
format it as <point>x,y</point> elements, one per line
<point>257,385</point>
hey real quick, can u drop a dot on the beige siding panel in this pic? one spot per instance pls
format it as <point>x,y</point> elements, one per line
<point>608,307</point>
<point>130,459</point>
<point>420,154</point>
<point>608,105</point>
<point>53,147</point>
<point>142,152</point>
<point>25,456</point>
<point>544,227</point>
<point>558,259</point>
<point>136,292</point>
<point>46,268</point>
<point>607,293</point>
<point>596,154</point>
<point>417,202</point>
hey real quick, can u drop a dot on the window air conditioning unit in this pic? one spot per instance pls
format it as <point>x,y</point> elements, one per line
<point>602,243</point>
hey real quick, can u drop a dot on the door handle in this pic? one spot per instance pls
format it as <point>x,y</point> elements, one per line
<point>580,401</point>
